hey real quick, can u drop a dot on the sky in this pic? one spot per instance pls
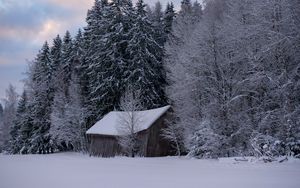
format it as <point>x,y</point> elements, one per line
<point>26,24</point>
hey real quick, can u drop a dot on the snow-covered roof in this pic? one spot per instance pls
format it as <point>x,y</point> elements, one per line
<point>111,122</point>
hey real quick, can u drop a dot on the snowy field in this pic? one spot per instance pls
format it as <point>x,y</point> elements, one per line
<point>73,170</point>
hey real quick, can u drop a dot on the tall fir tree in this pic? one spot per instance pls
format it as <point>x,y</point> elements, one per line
<point>16,141</point>
<point>56,65</point>
<point>144,71</point>
<point>67,60</point>
<point>40,101</point>
<point>169,16</point>
<point>107,85</point>
<point>9,116</point>
<point>156,19</point>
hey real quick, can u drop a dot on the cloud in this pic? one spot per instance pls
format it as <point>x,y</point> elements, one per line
<point>26,24</point>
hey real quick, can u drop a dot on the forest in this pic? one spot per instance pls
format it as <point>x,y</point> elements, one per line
<point>230,69</point>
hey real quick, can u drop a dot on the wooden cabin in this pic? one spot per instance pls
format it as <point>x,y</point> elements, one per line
<point>103,136</point>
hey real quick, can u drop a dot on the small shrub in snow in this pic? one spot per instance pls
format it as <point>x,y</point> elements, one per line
<point>205,144</point>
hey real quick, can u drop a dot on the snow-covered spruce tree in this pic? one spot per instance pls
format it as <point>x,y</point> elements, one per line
<point>58,122</point>
<point>75,115</point>
<point>82,62</point>
<point>67,119</point>
<point>67,60</point>
<point>156,18</point>
<point>129,122</point>
<point>1,112</point>
<point>80,66</point>
<point>9,115</point>
<point>168,18</point>
<point>40,101</point>
<point>77,51</point>
<point>92,64</point>
<point>25,122</point>
<point>56,64</point>
<point>112,41</point>
<point>144,70</point>
<point>15,142</point>
<point>108,84</point>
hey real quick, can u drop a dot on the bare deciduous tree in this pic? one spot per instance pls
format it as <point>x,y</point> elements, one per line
<point>129,122</point>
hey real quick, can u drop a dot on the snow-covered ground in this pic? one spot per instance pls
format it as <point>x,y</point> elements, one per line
<point>73,170</point>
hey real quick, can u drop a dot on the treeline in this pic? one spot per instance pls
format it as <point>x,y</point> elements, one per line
<point>230,70</point>
<point>235,79</point>
<point>75,81</point>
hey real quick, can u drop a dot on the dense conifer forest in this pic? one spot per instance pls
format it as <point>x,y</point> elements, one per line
<point>230,69</point>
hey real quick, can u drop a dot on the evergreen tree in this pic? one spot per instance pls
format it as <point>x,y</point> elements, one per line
<point>9,115</point>
<point>197,11</point>
<point>75,115</point>
<point>1,126</point>
<point>156,19</point>
<point>186,7</point>
<point>92,64</point>
<point>168,19</point>
<point>16,140</point>
<point>145,72</point>
<point>68,127</point>
<point>56,66</point>
<point>58,122</point>
<point>40,101</point>
<point>26,126</point>
<point>107,81</point>
<point>1,112</point>
<point>56,54</point>
<point>80,66</point>
<point>67,59</point>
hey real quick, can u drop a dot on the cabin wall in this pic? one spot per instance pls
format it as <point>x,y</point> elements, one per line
<point>104,146</point>
<point>157,145</point>
<point>152,144</point>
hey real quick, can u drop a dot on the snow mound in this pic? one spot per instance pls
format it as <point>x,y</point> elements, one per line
<point>110,123</point>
